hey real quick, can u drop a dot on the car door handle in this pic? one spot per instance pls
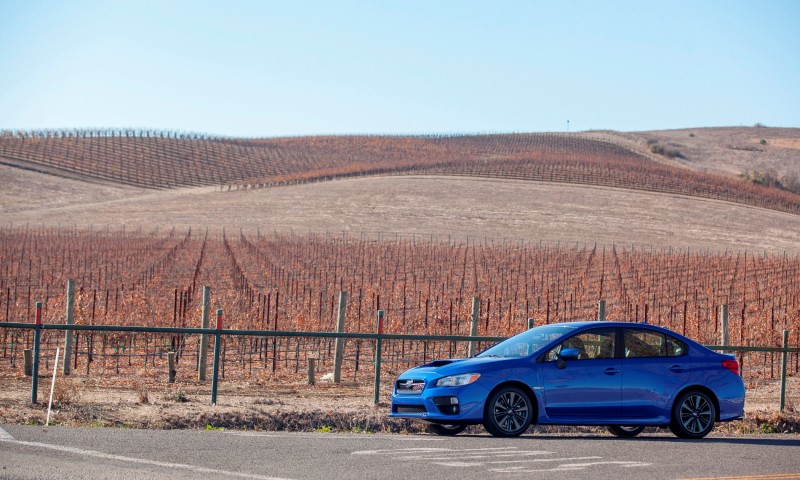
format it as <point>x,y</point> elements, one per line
<point>677,369</point>
<point>611,371</point>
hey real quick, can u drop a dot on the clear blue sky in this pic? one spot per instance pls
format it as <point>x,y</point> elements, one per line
<point>274,68</point>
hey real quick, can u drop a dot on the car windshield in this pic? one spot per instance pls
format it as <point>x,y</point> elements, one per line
<point>528,342</point>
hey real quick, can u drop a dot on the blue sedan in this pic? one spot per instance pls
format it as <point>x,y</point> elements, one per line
<point>624,376</point>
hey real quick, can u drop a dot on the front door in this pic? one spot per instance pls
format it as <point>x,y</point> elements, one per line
<point>589,386</point>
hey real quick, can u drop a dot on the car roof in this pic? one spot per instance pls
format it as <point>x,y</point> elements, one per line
<point>597,323</point>
<point>580,323</point>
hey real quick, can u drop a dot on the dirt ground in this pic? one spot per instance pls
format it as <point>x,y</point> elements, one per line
<point>126,402</point>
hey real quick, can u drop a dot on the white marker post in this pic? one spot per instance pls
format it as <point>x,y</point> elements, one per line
<point>52,387</point>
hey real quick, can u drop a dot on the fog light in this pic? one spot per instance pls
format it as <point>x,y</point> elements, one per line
<point>448,405</point>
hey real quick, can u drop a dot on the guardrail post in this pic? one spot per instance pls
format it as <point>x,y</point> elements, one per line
<point>202,362</point>
<point>217,342</point>
<point>530,323</point>
<point>473,331</point>
<point>378,347</point>
<point>784,360</point>
<point>339,342</point>
<point>601,311</point>
<point>70,321</point>
<point>37,334</point>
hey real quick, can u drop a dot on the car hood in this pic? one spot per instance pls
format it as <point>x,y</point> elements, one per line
<point>454,365</point>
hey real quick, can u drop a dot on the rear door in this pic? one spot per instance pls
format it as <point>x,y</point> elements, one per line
<point>655,366</point>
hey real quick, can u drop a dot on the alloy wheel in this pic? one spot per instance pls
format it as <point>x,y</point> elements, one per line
<point>510,413</point>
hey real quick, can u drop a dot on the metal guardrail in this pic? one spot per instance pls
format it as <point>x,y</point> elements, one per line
<point>379,336</point>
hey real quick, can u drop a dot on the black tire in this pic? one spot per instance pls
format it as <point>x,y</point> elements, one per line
<point>509,412</point>
<point>628,431</point>
<point>447,430</point>
<point>693,415</point>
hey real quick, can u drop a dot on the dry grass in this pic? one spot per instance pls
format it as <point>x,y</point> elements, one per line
<point>423,206</point>
<point>345,407</point>
<point>67,391</point>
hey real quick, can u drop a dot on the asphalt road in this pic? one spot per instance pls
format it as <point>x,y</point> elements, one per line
<point>79,453</point>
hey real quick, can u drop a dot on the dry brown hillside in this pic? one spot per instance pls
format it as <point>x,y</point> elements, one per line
<point>674,162</point>
<point>731,151</point>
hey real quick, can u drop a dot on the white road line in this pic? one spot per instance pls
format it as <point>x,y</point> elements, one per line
<point>622,464</point>
<point>329,436</point>
<point>5,436</point>
<point>401,451</point>
<point>290,435</point>
<point>569,467</point>
<point>512,469</point>
<point>144,461</point>
<point>472,457</point>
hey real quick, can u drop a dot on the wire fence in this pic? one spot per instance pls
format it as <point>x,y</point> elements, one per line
<point>143,352</point>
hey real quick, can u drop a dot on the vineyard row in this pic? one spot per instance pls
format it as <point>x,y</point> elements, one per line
<point>291,282</point>
<point>164,160</point>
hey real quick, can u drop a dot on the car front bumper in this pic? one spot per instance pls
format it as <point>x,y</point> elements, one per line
<point>441,404</point>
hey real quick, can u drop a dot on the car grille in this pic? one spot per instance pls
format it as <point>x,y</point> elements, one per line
<point>409,387</point>
<point>410,409</point>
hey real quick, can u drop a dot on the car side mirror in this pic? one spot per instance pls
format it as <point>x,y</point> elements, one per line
<point>567,354</point>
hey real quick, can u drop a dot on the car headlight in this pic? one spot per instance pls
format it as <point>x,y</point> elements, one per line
<point>457,380</point>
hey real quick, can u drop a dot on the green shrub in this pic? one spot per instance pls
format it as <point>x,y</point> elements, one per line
<point>767,428</point>
<point>178,396</point>
<point>762,178</point>
<point>667,152</point>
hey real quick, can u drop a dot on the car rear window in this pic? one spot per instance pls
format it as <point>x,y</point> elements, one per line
<point>647,343</point>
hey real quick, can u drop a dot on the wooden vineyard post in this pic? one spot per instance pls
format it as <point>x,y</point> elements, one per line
<point>723,326</point>
<point>27,362</point>
<point>70,321</point>
<point>312,370</point>
<point>171,363</point>
<point>473,331</point>
<point>339,342</point>
<point>202,362</point>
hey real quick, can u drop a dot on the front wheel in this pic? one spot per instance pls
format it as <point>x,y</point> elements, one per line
<point>625,430</point>
<point>509,412</point>
<point>447,430</point>
<point>693,415</point>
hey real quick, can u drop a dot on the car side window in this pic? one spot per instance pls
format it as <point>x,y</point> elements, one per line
<point>594,344</point>
<point>675,348</point>
<point>646,343</point>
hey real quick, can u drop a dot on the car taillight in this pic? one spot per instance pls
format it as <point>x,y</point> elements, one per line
<point>731,365</point>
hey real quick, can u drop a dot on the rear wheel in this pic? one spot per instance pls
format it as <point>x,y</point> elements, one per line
<point>443,429</point>
<point>693,415</point>
<point>625,430</point>
<point>509,412</point>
